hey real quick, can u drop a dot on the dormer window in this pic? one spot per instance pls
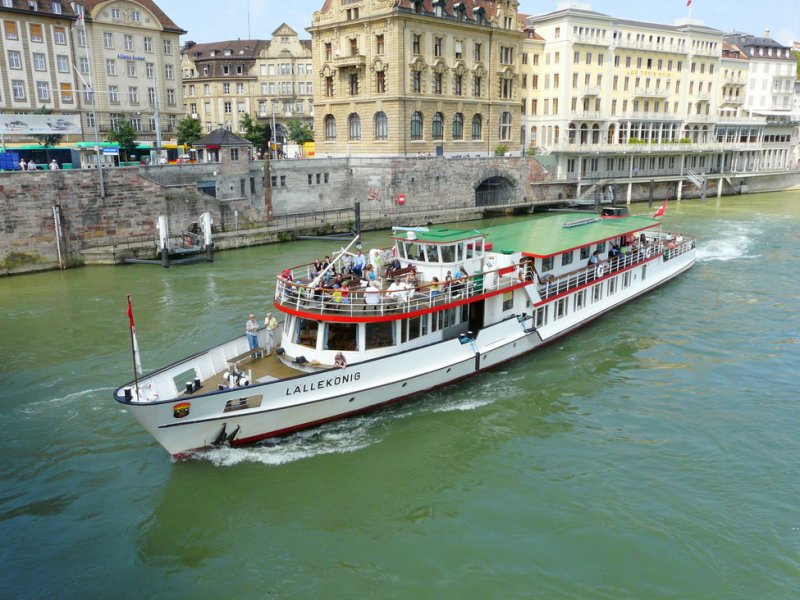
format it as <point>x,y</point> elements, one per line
<point>33,5</point>
<point>227,52</point>
<point>213,53</point>
<point>56,7</point>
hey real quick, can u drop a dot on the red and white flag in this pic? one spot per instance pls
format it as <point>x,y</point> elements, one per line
<point>662,209</point>
<point>134,343</point>
<point>688,2</point>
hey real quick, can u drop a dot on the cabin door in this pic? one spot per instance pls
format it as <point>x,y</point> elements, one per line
<point>476,310</point>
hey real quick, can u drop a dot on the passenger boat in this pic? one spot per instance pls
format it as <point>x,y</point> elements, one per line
<point>514,288</point>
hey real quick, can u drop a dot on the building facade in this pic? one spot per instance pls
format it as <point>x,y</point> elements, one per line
<point>608,98</point>
<point>416,77</point>
<point>36,62</point>
<point>129,52</point>
<point>269,80</point>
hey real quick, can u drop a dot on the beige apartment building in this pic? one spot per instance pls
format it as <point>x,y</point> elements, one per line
<point>606,98</point>
<point>412,77</point>
<point>36,63</point>
<point>130,51</point>
<point>270,80</point>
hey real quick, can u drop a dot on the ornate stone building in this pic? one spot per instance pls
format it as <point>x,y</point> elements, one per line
<point>404,77</point>
<point>130,51</point>
<point>270,80</point>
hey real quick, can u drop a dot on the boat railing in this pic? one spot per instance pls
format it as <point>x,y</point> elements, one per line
<point>654,245</point>
<point>367,301</point>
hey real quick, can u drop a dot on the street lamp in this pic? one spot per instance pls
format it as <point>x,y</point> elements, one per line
<point>275,155</point>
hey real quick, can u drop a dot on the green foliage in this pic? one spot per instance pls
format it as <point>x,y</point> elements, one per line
<point>531,151</point>
<point>299,132</point>
<point>47,140</point>
<point>684,141</point>
<point>634,140</point>
<point>501,150</point>
<point>189,131</point>
<point>125,136</point>
<point>797,65</point>
<point>256,133</point>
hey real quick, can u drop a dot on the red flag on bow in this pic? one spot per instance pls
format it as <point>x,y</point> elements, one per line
<point>659,213</point>
<point>137,363</point>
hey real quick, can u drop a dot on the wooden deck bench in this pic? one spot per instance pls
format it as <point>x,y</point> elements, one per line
<point>400,272</point>
<point>255,352</point>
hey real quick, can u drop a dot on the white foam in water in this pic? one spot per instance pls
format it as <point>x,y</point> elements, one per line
<point>351,434</point>
<point>733,246</point>
<point>35,408</point>
<point>340,437</point>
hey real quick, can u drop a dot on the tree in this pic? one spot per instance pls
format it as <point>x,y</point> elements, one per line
<point>47,140</point>
<point>189,131</point>
<point>125,136</point>
<point>299,132</point>
<point>256,133</point>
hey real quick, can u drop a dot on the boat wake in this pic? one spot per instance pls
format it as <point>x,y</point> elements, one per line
<point>339,437</point>
<point>733,246</point>
<point>40,406</point>
<point>333,438</point>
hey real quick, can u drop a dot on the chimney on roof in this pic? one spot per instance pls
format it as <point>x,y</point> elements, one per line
<point>766,33</point>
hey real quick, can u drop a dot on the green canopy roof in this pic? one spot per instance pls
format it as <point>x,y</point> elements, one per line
<point>540,236</point>
<point>547,235</point>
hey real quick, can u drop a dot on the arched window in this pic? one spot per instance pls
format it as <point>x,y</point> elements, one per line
<point>381,126</point>
<point>533,136</point>
<point>611,131</point>
<point>330,127</point>
<point>505,125</point>
<point>584,134</point>
<point>416,126</point>
<point>437,127</point>
<point>458,126</point>
<point>556,131</point>
<point>595,134</point>
<point>572,134</point>
<point>354,126</point>
<point>477,127</point>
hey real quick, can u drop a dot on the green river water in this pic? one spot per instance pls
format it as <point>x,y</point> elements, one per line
<point>650,455</point>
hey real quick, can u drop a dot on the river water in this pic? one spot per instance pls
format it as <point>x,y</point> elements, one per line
<point>652,454</point>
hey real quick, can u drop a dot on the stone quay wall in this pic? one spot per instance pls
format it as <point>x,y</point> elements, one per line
<point>301,197</point>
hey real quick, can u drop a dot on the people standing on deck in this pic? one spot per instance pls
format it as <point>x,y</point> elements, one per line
<point>31,165</point>
<point>359,262</point>
<point>23,166</point>
<point>251,329</point>
<point>271,324</point>
<point>54,165</point>
<point>435,288</point>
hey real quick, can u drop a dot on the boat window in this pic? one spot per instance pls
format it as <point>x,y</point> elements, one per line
<point>470,250</point>
<point>379,335</point>
<point>626,279</point>
<point>612,285</point>
<point>601,246</point>
<point>644,272</point>
<point>508,300</point>
<point>412,328</point>
<point>448,254</point>
<point>547,264</point>
<point>305,332</point>
<point>435,320</point>
<point>597,292</point>
<point>341,336</point>
<point>541,316</point>
<point>464,313</point>
<point>432,252</point>
<point>566,258</point>
<point>448,317</point>
<point>585,252</point>
<point>561,308</point>
<point>242,403</point>
<point>580,299</point>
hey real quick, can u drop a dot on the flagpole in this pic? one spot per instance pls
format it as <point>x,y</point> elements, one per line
<point>133,347</point>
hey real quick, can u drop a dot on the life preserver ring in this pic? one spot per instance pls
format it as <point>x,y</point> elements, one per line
<point>648,252</point>
<point>600,271</point>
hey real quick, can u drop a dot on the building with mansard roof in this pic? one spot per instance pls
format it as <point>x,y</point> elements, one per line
<point>269,80</point>
<point>407,77</point>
